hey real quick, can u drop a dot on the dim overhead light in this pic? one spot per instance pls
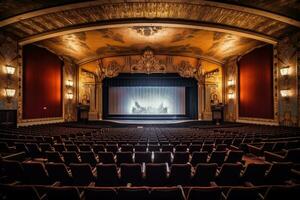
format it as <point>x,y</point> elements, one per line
<point>284,71</point>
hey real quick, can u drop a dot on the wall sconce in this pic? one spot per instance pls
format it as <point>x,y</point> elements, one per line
<point>285,93</point>
<point>230,95</point>
<point>9,69</point>
<point>70,96</point>
<point>230,82</point>
<point>9,93</point>
<point>284,71</point>
<point>70,83</point>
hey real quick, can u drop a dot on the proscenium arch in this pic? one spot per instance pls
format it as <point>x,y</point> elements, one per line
<point>156,22</point>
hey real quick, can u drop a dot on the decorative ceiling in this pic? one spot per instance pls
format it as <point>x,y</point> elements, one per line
<point>87,30</point>
<point>90,45</point>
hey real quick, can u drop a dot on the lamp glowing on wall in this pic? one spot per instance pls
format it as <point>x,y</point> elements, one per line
<point>230,82</point>
<point>70,83</point>
<point>9,69</point>
<point>285,93</point>
<point>230,95</point>
<point>284,71</point>
<point>9,93</point>
<point>70,96</point>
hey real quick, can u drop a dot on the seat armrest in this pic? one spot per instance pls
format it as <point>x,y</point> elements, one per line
<point>57,183</point>
<point>223,197</point>
<point>234,147</point>
<point>260,196</point>
<point>213,184</point>
<point>269,156</point>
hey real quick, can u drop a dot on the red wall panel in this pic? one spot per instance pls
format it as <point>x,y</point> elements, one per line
<point>42,83</point>
<point>256,84</point>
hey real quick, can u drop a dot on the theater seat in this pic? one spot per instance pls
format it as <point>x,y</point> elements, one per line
<point>97,193</point>
<point>205,174</point>
<point>234,157</point>
<point>163,193</point>
<point>131,173</point>
<point>282,193</point>
<point>217,157</point>
<point>107,175</point>
<point>207,193</point>
<point>279,173</point>
<point>88,157</point>
<point>142,157</point>
<point>242,193</point>
<point>181,157</point>
<point>36,173</point>
<point>59,172</point>
<point>82,173</point>
<point>98,147</point>
<point>162,157</point>
<point>13,170</point>
<point>54,156</point>
<point>156,174</point>
<point>124,157</point>
<point>16,192</point>
<point>180,174</point>
<point>255,173</point>
<point>133,193</point>
<point>70,157</point>
<point>63,193</point>
<point>106,157</point>
<point>229,174</point>
<point>199,157</point>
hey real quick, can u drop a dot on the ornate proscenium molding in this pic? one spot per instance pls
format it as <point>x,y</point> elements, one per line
<point>111,70</point>
<point>185,69</point>
<point>148,63</point>
<point>147,30</point>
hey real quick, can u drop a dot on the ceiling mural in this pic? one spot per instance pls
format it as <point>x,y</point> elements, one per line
<point>163,40</point>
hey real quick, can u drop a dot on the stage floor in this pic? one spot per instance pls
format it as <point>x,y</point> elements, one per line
<point>149,121</point>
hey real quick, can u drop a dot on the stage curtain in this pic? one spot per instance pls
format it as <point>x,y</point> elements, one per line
<point>256,84</point>
<point>42,83</point>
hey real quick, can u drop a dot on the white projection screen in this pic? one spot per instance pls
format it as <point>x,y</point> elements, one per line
<point>146,100</point>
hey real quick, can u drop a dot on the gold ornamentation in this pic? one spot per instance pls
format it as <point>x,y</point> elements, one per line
<point>147,30</point>
<point>148,63</point>
<point>111,70</point>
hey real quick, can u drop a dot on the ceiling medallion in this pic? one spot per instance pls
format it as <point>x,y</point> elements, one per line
<point>147,30</point>
<point>148,63</point>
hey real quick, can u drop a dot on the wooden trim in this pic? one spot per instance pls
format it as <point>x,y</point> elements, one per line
<point>240,8</point>
<point>168,23</point>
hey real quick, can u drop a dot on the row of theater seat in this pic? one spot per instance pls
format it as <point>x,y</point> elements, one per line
<point>26,192</point>
<point>90,157</point>
<point>150,174</point>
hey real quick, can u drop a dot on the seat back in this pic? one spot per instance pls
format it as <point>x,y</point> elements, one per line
<point>163,193</point>
<point>207,193</point>
<point>282,192</point>
<point>36,173</point>
<point>156,174</point>
<point>204,174</point>
<point>107,175</point>
<point>13,170</point>
<point>54,156</point>
<point>133,193</point>
<point>293,155</point>
<point>24,192</point>
<point>279,173</point>
<point>88,157</point>
<point>98,147</point>
<point>59,147</point>
<point>181,157</point>
<point>63,193</point>
<point>140,157</point>
<point>95,193</point>
<point>162,157</point>
<point>34,150</point>
<point>106,157</point>
<point>229,174</point>
<point>71,147</point>
<point>244,193</point>
<point>180,174</point>
<point>124,157</point>
<point>195,147</point>
<point>85,147</point>
<point>82,173</point>
<point>255,173</point>
<point>217,157</point>
<point>181,148</point>
<point>234,156</point>
<point>140,148</point>
<point>70,157</point>
<point>199,157</point>
<point>58,172</point>
<point>131,173</point>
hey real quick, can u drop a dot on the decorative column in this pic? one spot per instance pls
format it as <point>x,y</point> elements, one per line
<point>99,101</point>
<point>200,100</point>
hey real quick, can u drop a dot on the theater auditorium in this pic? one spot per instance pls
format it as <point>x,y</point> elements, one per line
<point>150,100</point>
